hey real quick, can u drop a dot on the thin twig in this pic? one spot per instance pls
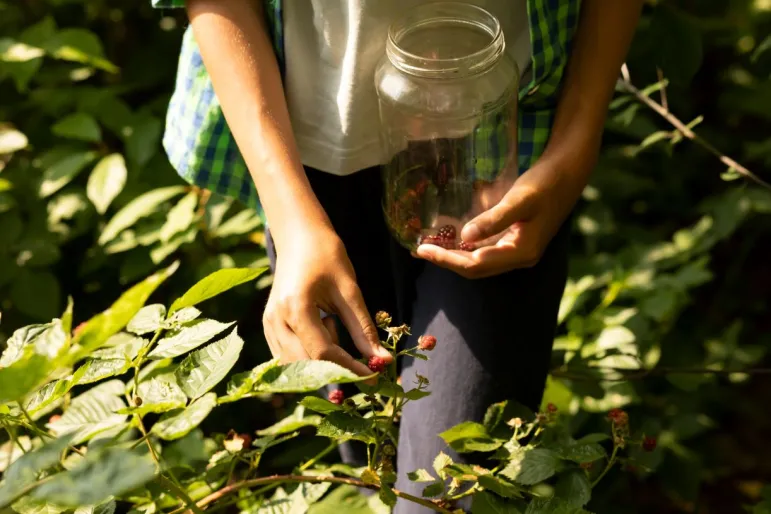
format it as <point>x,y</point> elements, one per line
<point>688,132</point>
<point>663,91</point>
<point>637,374</point>
<point>312,479</point>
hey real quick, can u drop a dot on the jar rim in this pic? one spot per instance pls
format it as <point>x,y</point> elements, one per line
<point>434,67</point>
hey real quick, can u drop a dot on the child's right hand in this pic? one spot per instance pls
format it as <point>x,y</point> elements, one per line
<point>313,272</point>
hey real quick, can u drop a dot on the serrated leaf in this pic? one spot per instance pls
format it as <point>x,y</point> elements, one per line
<point>552,505</point>
<point>189,337</point>
<point>138,208</point>
<point>583,452</point>
<point>106,181</point>
<point>121,345</point>
<point>434,489</point>
<point>291,423</point>
<point>94,370</point>
<point>205,368</point>
<point>180,217</point>
<point>243,383</point>
<point>159,394</point>
<point>92,412</point>
<point>470,437</point>
<point>185,315</point>
<point>420,475</point>
<point>25,469</point>
<point>416,394</point>
<point>440,463</point>
<point>529,466</point>
<point>61,172</point>
<point>215,284</point>
<point>47,395</point>
<point>574,488</point>
<point>321,405</point>
<point>342,426</point>
<point>176,424</point>
<point>103,508</point>
<point>79,126</point>
<point>101,327</point>
<point>99,476</point>
<point>29,505</point>
<point>305,376</point>
<point>148,319</point>
<point>499,486</point>
<point>486,503</point>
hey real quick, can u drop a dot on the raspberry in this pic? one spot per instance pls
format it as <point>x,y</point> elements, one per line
<point>54,418</point>
<point>336,396</point>
<point>426,342</point>
<point>448,244</point>
<point>551,408</point>
<point>377,364</point>
<point>466,247</point>
<point>446,233</point>
<point>382,319</point>
<point>247,439</point>
<point>649,443</point>
<point>619,417</point>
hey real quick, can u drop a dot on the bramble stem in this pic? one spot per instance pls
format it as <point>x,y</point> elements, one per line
<point>610,464</point>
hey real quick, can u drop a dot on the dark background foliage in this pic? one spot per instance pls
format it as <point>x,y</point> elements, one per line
<point>670,272</point>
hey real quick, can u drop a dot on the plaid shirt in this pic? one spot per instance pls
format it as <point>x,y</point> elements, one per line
<point>202,149</point>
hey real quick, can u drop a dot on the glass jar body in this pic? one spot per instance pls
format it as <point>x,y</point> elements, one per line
<point>448,115</point>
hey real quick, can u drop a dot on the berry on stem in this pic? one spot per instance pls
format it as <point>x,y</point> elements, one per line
<point>336,396</point>
<point>551,408</point>
<point>377,364</point>
<point>619,417</point>
<point>382,319</point>
<point>426,342</point>
<point>649,443</point>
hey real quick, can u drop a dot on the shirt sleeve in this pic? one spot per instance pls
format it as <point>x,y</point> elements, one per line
<point>167,4</point>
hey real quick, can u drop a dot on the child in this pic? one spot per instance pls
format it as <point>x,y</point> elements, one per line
<point>294,80</point>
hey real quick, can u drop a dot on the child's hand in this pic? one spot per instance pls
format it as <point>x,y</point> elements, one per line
<point>313,272</point>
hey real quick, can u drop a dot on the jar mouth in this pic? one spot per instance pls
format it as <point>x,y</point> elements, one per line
<point>443,39</point>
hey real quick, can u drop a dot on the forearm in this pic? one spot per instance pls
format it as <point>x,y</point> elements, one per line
<point>239,57</point>
<point>601,43</point>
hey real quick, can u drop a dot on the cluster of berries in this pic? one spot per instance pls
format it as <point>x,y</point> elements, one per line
<point>446,237</point>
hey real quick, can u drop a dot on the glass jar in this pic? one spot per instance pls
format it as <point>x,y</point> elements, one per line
<point>447,93</point>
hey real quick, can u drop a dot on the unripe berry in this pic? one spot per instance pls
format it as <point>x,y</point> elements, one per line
<point>382,319</point>
<point>377,364</point>
<point>426,342</point>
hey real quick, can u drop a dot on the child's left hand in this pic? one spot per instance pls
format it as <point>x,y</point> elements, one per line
<point>530,214</point>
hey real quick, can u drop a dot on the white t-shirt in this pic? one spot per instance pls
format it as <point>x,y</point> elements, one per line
<point>332,48</point>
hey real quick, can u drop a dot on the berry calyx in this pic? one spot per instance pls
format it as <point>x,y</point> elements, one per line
<point>336,396</point>
<point>377,364</point>
<point>426,342</point>
<point>649,443</point>
<point>446,233</point>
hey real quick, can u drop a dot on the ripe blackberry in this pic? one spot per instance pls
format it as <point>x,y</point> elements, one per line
<point>446,233</point>
<point>466,247</point>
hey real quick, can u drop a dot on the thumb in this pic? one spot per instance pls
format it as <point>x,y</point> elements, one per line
<point>516,205</point>
<point>355,316</point>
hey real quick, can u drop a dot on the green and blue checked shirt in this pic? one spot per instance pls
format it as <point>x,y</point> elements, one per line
<point>202,149</point>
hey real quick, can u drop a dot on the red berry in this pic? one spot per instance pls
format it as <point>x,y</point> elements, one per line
<point>247,439</point>
<point>54,418</point>
<point>466,247</point>
<point>426,342</point>
<point>336,396</point>
<point>649,443</point>
<point>447,233</point>
<point>377,364</point>
<point>619,417</point>
<point>448,244</point>
<point>552,408</point>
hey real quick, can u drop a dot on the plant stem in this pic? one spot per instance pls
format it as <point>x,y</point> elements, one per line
<point>178,491</point>
<point>332,446</point>
<point>312,479</point>
<point>610,464</point>
<point>14,440</point>
<point>141,358</point>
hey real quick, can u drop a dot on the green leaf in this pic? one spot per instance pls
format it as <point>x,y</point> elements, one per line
<point>104,508</point>
<point>159,394</point>
<point>671,30</point>
<point>121,345</point>
<point>37,252</point>
<point>552,505</point>
<point>144,136</point>
<point>342,426</point>
<point>79,45</point>
<point>162,250</point>
<point>106,181</point>
<point>101,327</point>
<point>99,476</point>
<point>321,405</point>
<point>79,126</point>
<point>94,370</point>
<point>470,437</point>
<point>291,423</point>
<point>243,222</point>
<point>60,167</point>
<point>347,496</point>
<point>416,394</point>
<point>148,319</point>
<point>486,503</point>
<point>182,316</point>
<point>142,206</point>
<point>243,383</point>
<point>177,424</point>
<point>25,469</point>
<point>582,452</point>
<point>205,368</point>
<point>440,463</point>
<point>180,217</point>
<point>499,486</point>
<point>574,488</point>
<point>46,396</point>
<point>529,466</point>
<point>387,495</point>
<point>190,337</point>
<point>11,140</point>
<point>215,284</point>
<point>435,489</point>
<point>92,412</point>
<point>593,438</point>
<point>420,475</point>
<point>305,376</point>
<point>29,505</point>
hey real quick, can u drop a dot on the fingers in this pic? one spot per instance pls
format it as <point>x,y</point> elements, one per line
<point>517,205</point>
<point>355,316</point>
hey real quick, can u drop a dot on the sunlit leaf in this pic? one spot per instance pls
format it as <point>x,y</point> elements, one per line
<point>148,319</point>
<point>215,284</point>
<point>342,426</point>
<point>139,207</point>
<point>92,412</point>
<point>205,368</point>
<point>470,437</point>
<point>106,181</point>
<point>186,338</point>
<point>243,383</point>
<point>291,423</point>
<point>159,394</point>
<point>11,140</point>
<point>574,488</point>
<point>177,424</point>
<point>180,217</point>
<point>79,126</point>
<point>529,466</point>
<point>305,376</point>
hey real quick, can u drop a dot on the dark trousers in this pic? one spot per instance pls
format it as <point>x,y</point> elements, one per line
<point>494,335</point>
